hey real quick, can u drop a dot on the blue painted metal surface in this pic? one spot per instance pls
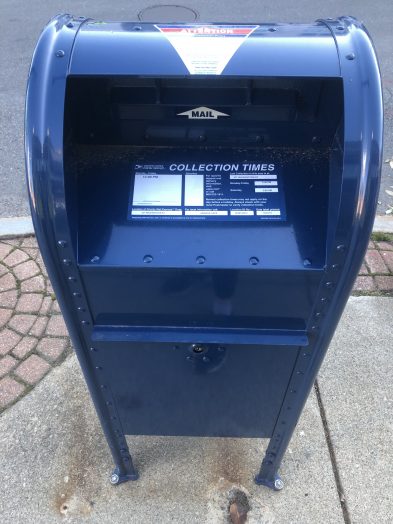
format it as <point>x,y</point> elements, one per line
<point>118,48</point>
<point>214,328</point>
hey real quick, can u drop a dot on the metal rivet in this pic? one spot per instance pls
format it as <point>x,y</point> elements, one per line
<point>114,479</point>
<point>340,247</point>
<point>60,53</point>
<point>72,279</point>
<point>278,484</point>
<point>98,367</point>
<point>200,260</point>
<point>335,266</point>
<point>316,140</point>
<point>254,261</point>
<point>318,314</point>
<point>66,261</point>
<point>62,243</point>
<point>350,56</point>
<point>306,262</point>
<point>314,328</point>
<point>85,322</point>
<point>93,349</point>
<point>76,294</point>
<point>147,259</point>
<point>323,299</point>
<point>81,309</point>
<point>206,359</point>
<point>95,259</point>
<point>103,386</point>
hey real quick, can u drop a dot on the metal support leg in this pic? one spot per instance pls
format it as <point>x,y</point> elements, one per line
<point>124,467</point>
<point>294,400</point>
<point>110,422</point>
<point>117,477</point>
<point>268,474</point>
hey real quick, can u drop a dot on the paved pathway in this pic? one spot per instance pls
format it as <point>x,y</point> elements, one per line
<point>33,337</point>
<point>376,273</point>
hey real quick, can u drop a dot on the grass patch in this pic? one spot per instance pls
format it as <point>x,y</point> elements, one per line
<point>375,293</point>
<point>382,237</point>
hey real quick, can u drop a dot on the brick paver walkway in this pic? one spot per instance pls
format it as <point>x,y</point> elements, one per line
<point>33,337</point>
<point>376,274</point>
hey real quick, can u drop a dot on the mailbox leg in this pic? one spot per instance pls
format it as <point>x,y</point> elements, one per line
<point>106,411</point>
<point>124,467</point>
<point>294,400</point>
<point>268,474</point>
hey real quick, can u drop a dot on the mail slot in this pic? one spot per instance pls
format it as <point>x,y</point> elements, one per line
<point>202,196</point>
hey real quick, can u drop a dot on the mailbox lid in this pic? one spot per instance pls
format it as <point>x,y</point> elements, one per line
<point>127,48</point>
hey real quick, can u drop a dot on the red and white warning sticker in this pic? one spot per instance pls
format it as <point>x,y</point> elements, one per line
<point>206,48</point>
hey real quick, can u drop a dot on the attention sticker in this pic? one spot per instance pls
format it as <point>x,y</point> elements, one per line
<point>206,49</point>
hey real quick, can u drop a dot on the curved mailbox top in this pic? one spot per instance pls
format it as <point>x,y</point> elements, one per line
<point>125,48</point>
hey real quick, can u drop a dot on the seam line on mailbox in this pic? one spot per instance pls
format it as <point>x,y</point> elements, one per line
<point>83,22</point>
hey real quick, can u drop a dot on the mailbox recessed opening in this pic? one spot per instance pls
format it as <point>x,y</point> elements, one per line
<point>112,123</point>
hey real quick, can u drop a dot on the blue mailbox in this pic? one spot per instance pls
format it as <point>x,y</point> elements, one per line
<point>202,196</point>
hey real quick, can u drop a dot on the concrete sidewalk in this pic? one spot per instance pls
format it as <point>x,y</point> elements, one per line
<point>55,462</point>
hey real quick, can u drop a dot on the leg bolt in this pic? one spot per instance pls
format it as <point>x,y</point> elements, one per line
<point>278,484</point>
<point>114,479</point>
